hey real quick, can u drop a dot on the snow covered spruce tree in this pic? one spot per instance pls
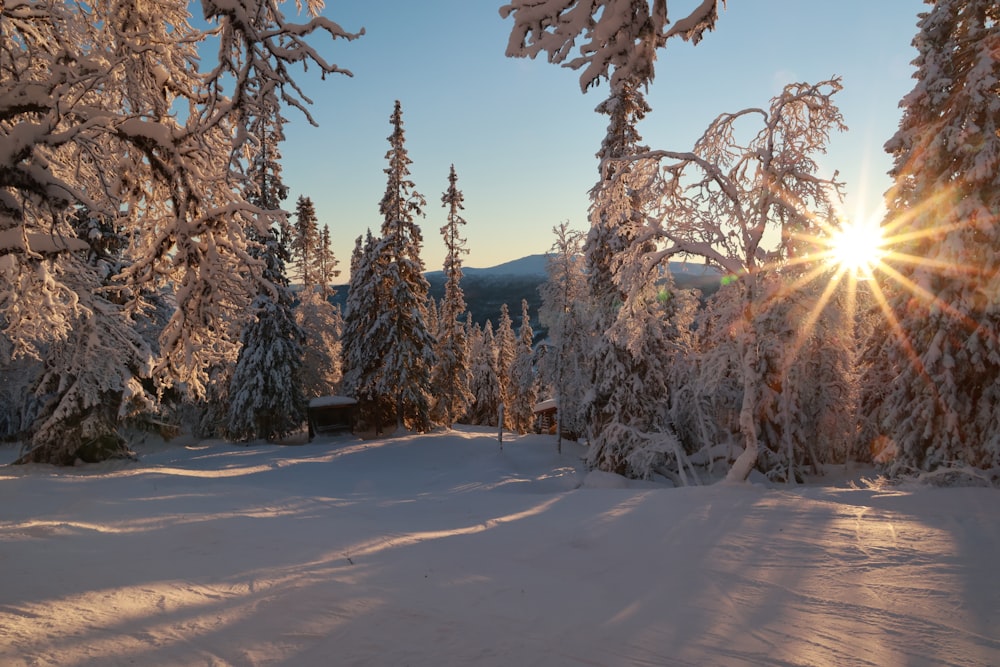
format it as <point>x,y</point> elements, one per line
<point>401,322</point>
<point>483,379</point>
<point>451,374</point>
<point>522,376</point>
<point>506,350</point>
<point>322,325</point>
<point>943,409</point>
<point>565,313</point>
<point>88,100</point>
<point>628,361</point>
<point>327,265</point>
<point>362,352</point>
<point>718,202</point>
<point>266,399</point>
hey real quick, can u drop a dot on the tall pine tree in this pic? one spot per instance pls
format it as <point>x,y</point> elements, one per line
<point>409,353</point>
<point>306,247</point>
<point>320,321</point>
<point>451,376</point>
<point>628,364</point>
<point>327,263</point>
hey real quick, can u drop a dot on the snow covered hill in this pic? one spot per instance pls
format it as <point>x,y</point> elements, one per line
<point>532,265</point>
<point>441,550</point>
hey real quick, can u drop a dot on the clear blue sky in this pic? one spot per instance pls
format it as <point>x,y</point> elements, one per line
<point>522,135</point>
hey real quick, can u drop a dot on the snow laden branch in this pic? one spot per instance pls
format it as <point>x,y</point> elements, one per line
<point>745,199</point>
<point>257,44</point>
<point>105,113</point>
<point>740,206</point>
<point>620,37</point>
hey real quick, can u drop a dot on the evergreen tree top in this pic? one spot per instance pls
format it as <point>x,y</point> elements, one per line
<point>625,106</point>
<point>401,202</point>
<point>453,199</point>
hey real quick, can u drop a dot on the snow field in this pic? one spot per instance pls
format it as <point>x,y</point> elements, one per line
<point>442,550</point>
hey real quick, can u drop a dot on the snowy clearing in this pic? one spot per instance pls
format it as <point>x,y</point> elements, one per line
<point>441,550</point>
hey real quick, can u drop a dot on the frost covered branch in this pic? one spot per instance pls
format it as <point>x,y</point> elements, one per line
<point>620,37</point>
<point>103,111</point>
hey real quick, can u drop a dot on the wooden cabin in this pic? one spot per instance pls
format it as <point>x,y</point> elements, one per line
<point>545,416</point>
<point>332,414</point>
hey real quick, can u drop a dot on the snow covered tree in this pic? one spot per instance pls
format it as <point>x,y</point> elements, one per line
<point>363,352</point>
<point>522,376</point>
<point>506,351</point>
<point>320,321</point>
<point>620,37</point>
<point>431,318</point>
<point>628,361</point>
<point>94,377</point>
<point>89,100</point>
<point>875,372</point>
<point>620,42</point>
<point>724,201</point>
<point>565,314</point>
<point>451,374</point>
<point>943,408</point>
<point>266,399</point>
<point>322,326</point>
<point>819,398</point>
<point>327,266</point>
<point>611,229</point>
<point>409,353</point>
<point>307,244</point>
<point>483,381</point>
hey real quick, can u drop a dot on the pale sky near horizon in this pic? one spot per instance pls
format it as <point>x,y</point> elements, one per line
<point>522,135</point>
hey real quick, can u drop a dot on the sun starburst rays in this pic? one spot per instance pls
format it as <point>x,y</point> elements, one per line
<point>883,265</point>
<point>873,255</point>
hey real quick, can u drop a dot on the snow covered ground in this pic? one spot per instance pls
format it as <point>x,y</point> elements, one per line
<point>441,550</point>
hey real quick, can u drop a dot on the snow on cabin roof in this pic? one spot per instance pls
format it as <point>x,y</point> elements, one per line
<point>13,239</point>
<point>331,401</point>
<point>549,404</point>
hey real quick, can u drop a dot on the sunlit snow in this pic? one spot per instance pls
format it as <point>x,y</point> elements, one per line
<point>442,550</point>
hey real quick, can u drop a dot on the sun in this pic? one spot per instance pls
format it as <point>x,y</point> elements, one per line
<point>858,247</point>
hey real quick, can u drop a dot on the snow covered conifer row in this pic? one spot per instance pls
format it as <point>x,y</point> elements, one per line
<point>943,342</point>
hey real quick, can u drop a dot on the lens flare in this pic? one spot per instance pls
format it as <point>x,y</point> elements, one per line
<point>858,247</point>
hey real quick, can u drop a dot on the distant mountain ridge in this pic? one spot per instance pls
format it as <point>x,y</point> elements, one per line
<point>532,265</point>
<point>487,289</point>
<point>537,265</point>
